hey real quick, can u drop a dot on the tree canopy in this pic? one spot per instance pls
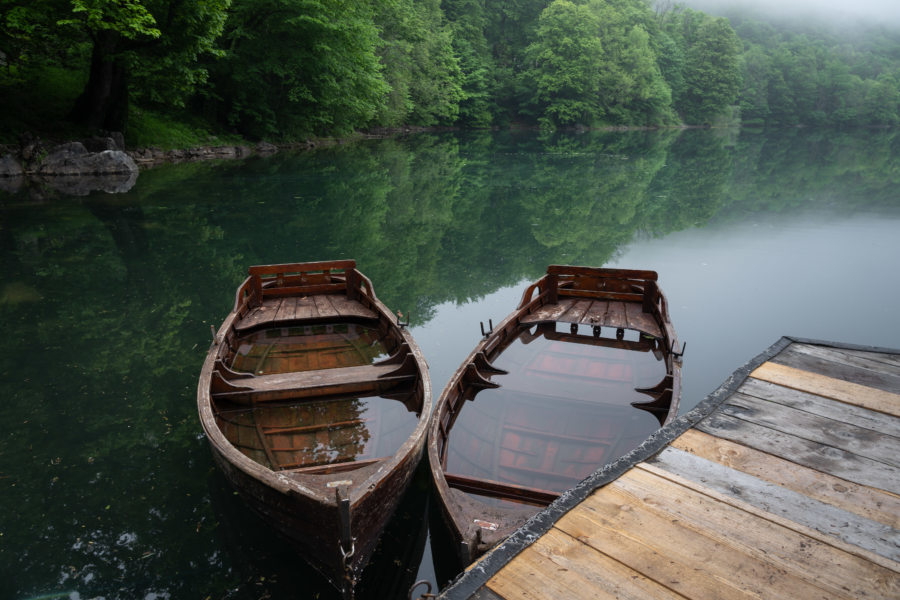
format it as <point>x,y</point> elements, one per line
<point>293,68</point>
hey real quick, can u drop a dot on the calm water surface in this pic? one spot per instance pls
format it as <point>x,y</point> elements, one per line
<point>108,488</point>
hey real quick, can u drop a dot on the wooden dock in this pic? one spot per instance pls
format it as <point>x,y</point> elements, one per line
<point>783,483</point>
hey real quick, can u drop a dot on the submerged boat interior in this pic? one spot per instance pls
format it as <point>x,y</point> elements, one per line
<point>315,383</point>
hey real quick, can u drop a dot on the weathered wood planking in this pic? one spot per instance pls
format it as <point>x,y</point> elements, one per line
<point>774,499</point>
<point>817,405</point>
<point>823,361</point>
<point>858,440</point>
<point>829,387</point>
<point>588,573</point>
<point>787,486</point>
<point>833,461</point>
<point>865,501</point>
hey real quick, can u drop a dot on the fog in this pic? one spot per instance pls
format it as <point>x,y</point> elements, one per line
<point>838,12</point>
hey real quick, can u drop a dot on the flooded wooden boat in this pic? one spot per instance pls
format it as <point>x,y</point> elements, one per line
<point>578,375</point>
<point>315,401</point>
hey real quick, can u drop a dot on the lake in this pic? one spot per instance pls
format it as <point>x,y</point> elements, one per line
<point>106,301</point>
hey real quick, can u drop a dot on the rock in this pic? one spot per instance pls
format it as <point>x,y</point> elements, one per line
<point>266,148</point>
<point>99,144</point>
<point>10,167</point>
<point>74,159</point>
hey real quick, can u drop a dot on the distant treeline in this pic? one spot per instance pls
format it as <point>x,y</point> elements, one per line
<point>291,68</point>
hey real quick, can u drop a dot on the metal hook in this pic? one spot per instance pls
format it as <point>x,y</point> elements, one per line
<point>427,593</point>
<point>679,354</point>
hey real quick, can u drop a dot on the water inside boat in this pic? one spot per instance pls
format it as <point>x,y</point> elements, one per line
<point>562,411</point>
<point>307,348</point>
<point>313,435</point>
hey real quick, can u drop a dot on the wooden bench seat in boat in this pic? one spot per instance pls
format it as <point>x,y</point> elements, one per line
<point>275,310</point>
<point>603,313</point>
<point>246,388</point>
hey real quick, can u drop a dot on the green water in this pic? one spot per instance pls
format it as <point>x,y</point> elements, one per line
<point>107,488</point>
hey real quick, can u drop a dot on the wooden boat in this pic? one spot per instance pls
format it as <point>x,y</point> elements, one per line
<point>315,400</point>
<point>578,375</point>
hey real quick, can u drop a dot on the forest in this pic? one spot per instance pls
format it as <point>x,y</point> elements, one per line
<point>286,70</point>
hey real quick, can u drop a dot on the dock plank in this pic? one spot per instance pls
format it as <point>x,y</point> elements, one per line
<point>594,574</point>
<point>776,500</point>
<point>818,563</point>
<point>858,440</point>
<point>829,387</point>
<point>669,551</point>
<point>833,461</point>
<point>823,362</point>
<point>872,361</point>
<point>825,407</point>
<point>862,500</point>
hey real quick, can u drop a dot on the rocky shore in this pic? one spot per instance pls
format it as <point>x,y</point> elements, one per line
<point>101,163</point>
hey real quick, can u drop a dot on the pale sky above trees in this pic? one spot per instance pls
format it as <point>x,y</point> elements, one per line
<point>880,11</point>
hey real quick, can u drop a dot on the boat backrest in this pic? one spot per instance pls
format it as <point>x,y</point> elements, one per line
<point>292,279</point>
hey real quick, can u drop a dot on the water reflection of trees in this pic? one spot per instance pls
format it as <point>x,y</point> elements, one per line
<point>108,300</point>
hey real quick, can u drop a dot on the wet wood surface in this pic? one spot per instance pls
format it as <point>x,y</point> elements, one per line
<point>790,488</point>
<point>602,313</point>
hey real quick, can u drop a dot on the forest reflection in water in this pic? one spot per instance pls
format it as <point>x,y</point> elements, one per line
<point>108,489</point>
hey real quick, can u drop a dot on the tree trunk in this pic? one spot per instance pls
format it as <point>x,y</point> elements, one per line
<point>104,102</point>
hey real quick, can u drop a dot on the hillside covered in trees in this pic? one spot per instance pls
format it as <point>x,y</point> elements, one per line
<point>287,69</point>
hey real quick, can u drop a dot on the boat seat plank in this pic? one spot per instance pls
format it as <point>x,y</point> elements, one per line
<point>760,539</point>
<point>596,312</point>
<point>823,365</point>
<point>829,387</point>
<point>261,315</point>
<point>500,489</point>
<point>773,499</point>
<point>814,455</point>
<point>865,501</point>
<point>280,386</point>
<point>286,310</point>
<point>615,315</point>
<point>641,321</point>
<point>817,405</point>
<point>324,306</point>
<point>850,438</point>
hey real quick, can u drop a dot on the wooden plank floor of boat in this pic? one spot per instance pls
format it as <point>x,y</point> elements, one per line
<point>589,312</point>
<point>326,306</point>
<point>784,483</point>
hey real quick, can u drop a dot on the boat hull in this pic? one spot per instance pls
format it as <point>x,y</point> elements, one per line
<point>513,428</point>
<point>316,476</point>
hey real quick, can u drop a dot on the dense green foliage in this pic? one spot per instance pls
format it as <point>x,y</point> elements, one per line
<point>285,69</point>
